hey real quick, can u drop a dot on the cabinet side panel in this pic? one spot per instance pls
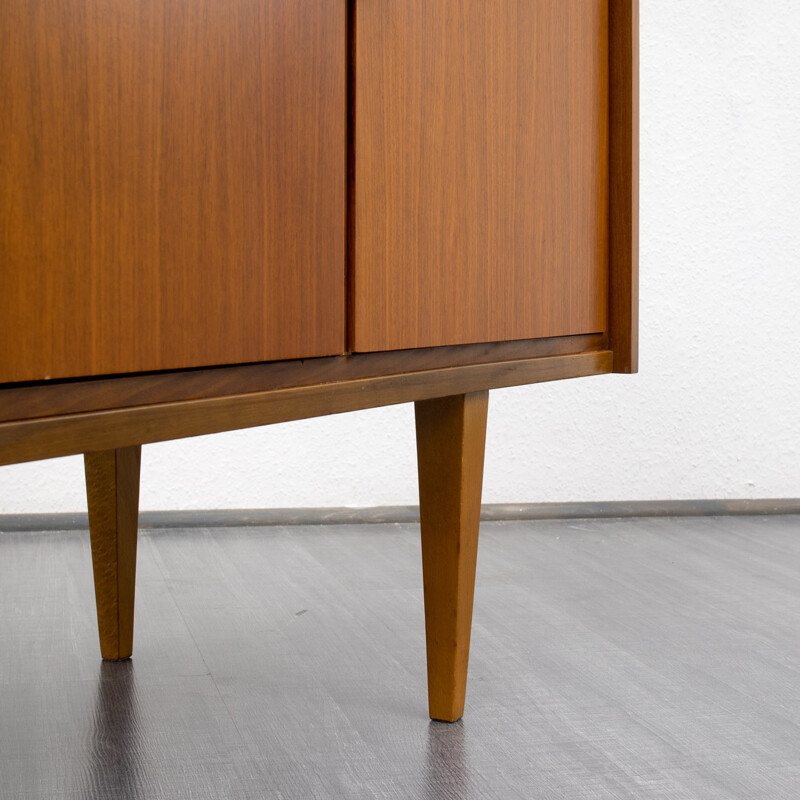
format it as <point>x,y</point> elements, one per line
<point>172,184</point>
<point>481,171</point>
<point>624,183</point>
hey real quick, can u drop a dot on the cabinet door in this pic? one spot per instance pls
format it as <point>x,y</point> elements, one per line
<point>481,171</point>
<point>172,183</point>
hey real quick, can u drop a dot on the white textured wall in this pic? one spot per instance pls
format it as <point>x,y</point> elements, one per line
<point>715,411</point>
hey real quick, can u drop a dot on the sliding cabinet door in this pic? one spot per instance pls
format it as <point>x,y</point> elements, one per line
<point>481,171</point>
<point>172,183</point>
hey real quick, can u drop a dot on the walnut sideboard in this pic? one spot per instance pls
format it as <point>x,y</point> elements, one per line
<point>217,214</point>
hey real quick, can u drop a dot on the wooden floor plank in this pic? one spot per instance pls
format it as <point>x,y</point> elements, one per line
<point>631,658</point>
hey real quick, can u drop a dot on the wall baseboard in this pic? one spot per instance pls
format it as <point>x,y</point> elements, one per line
<point>154,520</point>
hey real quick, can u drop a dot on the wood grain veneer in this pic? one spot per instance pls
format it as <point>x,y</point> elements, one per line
<point>172,183</point>
<point>624,183</point>
<point>172,195</point>
<point>480,192</point>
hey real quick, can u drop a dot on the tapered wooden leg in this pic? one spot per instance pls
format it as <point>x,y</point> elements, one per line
<point>451,433</point>
<point>112,489</point>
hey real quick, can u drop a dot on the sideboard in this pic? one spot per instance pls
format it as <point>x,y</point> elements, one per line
<point>216,215</point>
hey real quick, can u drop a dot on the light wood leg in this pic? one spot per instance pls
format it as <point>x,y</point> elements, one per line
<point>112,490</point>
<point>451,433</point>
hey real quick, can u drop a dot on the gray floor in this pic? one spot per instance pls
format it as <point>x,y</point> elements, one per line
<point>639,658</point>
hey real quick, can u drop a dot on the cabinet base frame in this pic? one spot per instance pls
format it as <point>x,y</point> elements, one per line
<point>451,405</point>
<point>145,419</point>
